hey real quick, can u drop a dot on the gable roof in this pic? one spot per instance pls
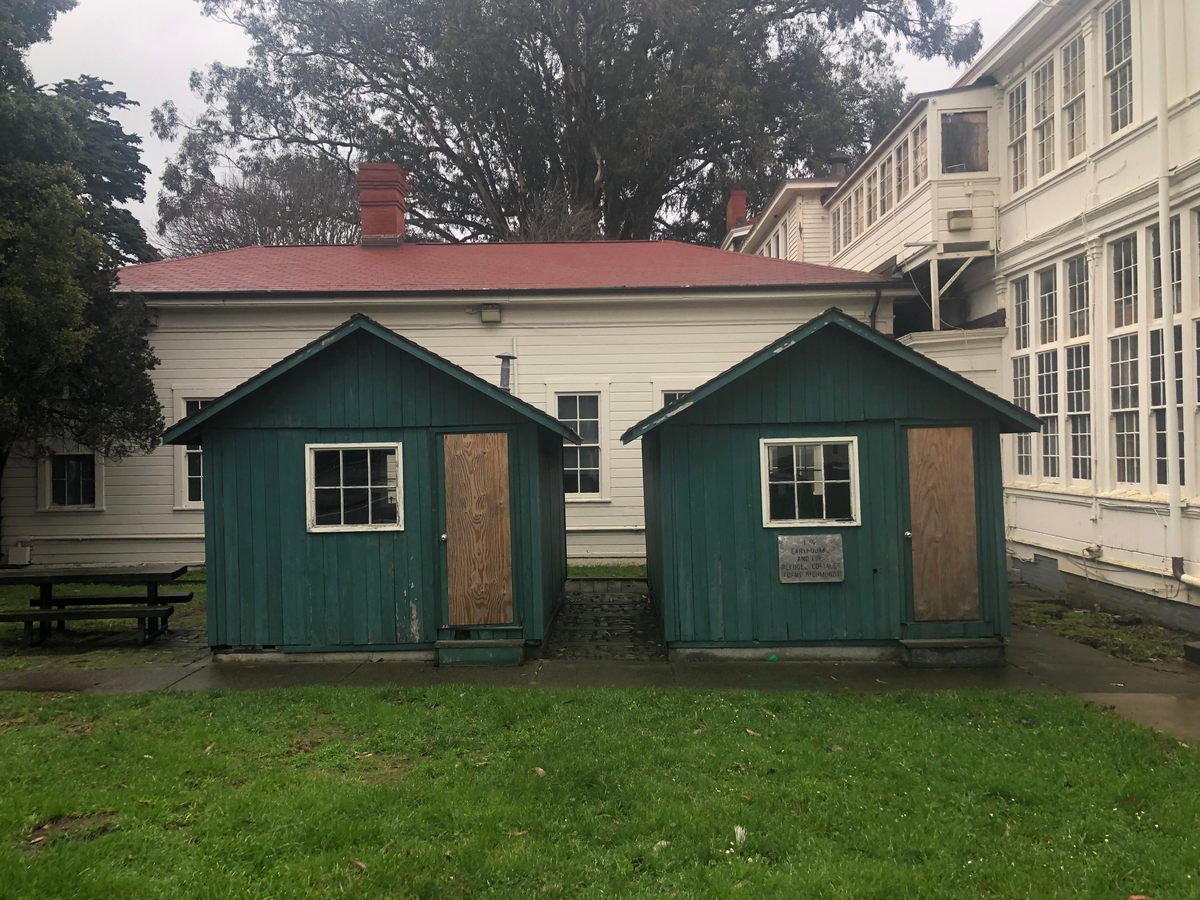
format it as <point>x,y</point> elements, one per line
<point>1014,418</point>
<point>186,431</point>
<point>415,268</point>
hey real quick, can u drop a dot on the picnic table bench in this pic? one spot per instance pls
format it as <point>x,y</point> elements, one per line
<point>151,610</point>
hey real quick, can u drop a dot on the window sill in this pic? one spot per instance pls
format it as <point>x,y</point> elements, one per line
<point>195,507</point>
<point>823,523</point>
<point>352,529</point>
<point>70,509</point>
<point>583,499</point>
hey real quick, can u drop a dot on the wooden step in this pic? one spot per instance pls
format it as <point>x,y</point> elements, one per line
<point>952,652</point>
<point>480,653</point>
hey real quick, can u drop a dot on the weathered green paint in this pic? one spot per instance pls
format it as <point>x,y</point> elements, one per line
<point>273,583</point>
<point>714,567</point>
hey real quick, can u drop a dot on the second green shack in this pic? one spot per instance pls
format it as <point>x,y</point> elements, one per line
<point>836,488</point>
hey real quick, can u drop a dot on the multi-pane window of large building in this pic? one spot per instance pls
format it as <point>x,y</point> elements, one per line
<point>1159,399</point>
<point>920,139</point>
<point>1020,291</point>
<point>1123,386</point>
<point>1079,409</point>
<point>1043,117</point>
<point>1176,267</point>
<point>1018,163</point>
<point>872,198</point>
<point>581,464</point>
<point>1074,98</point>
<point>1124,281</point>
<point>1047,397</point>
<point>1078,302</point>
<point>902,170</point>
<point>1118,64</point>
<point>1021,398</point>
<point>193,459</point>
<point>885,186</point>
<point>1047,281</point>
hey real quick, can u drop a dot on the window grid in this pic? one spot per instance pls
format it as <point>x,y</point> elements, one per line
<point>902,170</point>
<point>809,481</point>
<point>837,230</point>
<point>1047,401</point>
<point>1048,305</point>
<point>872,198</point>
<point>581,462</point>
<point>847,224</point>
<point>193,458</point>
<point>73,479</point>
<point>355,486</point>
<point>1043,116</point>
<point>1124,269</point>
<point>920,136</point>
<point>1176,262</point>
<point>1123,380</point>
<point>1158,402</point>
<point>1074,79</point>
<point>1017,127</point>
<point>670,398</point>
<point>1079,409</point>
<point>1021,388</point>
<point>885,186</point>
<point>1118,64</point>
<point>1020,289</point>
<point>1078,303</point>
<point>858,210</point>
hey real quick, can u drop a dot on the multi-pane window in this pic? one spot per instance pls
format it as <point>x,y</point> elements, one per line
<point>1047,400</point>
<point>837,230</point>
<point>73,479</point>
<point>1118,64</point>
<point>1074,98</point>
<point>1020,289</point>
<point>1124,270</point>
<point>872,198</point>
<point>902,170</point>
<point>885,186</point>
<point>1018,163</point>
<point>858,210</point>
<point>1158,401</point>
<point>670,398</point>
<point>920,139</point>
<point>193,459</point>
<point>1021,398</point>
<point>1078,303</point>
<point>1123,380</point>
<point>1176,268</point>
<point>354,487</point>
<point>1043,116</point>
<point>847,224</point>
<point>1047,280</point>
<point>965,141</point>
<point>1079,409</point>
<point>809,482</point>
<point>581,463</point>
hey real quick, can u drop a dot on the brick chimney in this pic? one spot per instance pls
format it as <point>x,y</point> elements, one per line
<point>382,201</point>
<point>735,210</point>
<point>839,167</point>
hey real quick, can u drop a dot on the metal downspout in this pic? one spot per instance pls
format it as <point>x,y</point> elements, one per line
<point>1174,491</point>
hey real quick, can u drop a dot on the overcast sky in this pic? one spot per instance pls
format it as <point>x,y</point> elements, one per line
<point>148,48</point>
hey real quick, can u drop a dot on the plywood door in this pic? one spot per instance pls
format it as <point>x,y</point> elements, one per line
<point>945,559</point>
<point>478,529</point>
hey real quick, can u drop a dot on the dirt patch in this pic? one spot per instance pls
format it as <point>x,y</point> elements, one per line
<point>6,724</point>
<point>79,729</point>
<point>314,738</point>
<point>386,769</point>
<point>60,828</point>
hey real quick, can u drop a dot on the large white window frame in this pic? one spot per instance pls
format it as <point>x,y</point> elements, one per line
<point>599,387</point>
<point>45,485</point>
<point>310,451</point>
<point>1045,105</point>
<point>1074,98</point>
<point>764,446</point>
<point>181,395</point>
<point>1116,23</point>
<point>1018,137</point>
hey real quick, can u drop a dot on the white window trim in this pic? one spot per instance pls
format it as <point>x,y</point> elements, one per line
<point>670,385</point>
<point>44,486</point>
<point>763,473</point>
<point>309,487</point>
<point>180,394</point>
<point>601,387</point>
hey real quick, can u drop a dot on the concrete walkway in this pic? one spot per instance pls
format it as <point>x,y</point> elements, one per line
<point>1166,697</point>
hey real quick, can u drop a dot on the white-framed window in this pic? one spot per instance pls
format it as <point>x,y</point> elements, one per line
<point>1020,291</point>
<point>71,481</point>
<point>354,487</point>
<point>809,482</point>
<point>581,462</point>
<point>192,476</point>
<point>902,155</point>
<point>859,210</point>
<point>920,141</point>
<point>670,398</point>
<point>1047,398</point>
<point>1118,64</point>
<point>1079,409</point>
<point>837,230</point>
<point>1158,403</point>
<point>1176,268</point>
<point>1123,381</point>
<point>1074,97</point>
<point>885,186</point>
<point>1048,305</point>
<point>776,241</point>
<point>1043,116</point>
<point>1021,398</point>
<point>1125,281</point>
<point>847,223</point>
<point>1078,300</point>
<point>1018,157</point>
<point>872,198</point>
<point>964,141</point>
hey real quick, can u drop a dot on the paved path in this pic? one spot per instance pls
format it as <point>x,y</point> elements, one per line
<point>1166,697</point>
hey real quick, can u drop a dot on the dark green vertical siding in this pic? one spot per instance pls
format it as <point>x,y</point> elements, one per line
<point>716,567</point>
<point>272,583</point>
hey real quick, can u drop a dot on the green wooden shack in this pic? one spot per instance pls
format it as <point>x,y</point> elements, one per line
<point>834,489</point>
<point>366,494</point>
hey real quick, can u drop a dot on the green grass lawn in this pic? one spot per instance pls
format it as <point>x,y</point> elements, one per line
<point>461,792</point>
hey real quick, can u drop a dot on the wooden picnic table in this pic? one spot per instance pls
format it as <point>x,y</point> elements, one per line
<point>151,610</point>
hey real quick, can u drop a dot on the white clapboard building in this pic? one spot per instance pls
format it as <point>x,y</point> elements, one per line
<point>600,335</point>
<point>1025,203</point>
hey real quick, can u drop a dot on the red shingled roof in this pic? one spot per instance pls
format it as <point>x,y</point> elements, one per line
<point>475,268</point>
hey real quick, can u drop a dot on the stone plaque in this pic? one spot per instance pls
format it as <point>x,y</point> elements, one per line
<point>805,558</point>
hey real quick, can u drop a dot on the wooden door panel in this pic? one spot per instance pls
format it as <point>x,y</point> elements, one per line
<point>478,529</point>
<point>941,487</point>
